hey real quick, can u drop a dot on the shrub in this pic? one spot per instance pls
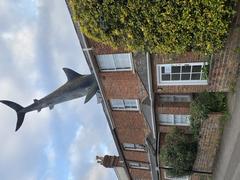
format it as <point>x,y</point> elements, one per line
<point>203,104</point>
<point>165,26</point>
<point>179,153</point>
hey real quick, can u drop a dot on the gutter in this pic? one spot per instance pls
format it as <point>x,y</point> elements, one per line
<point>151,96</point>
<point>152,101</point>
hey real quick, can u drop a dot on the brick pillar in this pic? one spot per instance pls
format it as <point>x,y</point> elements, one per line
<point>109,161</point>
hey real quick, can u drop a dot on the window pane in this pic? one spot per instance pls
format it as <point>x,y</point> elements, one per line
<point>175,98</point>
<point>122,61</point>
<point>175,69</point>
<point>166,118</point>
<point>180,74</point>
<point>105,62</point>
<point>186,69</point>
<point>167,69</point>
<point>129,145</point>
<point>196,68</point>
<point>139,146</point>
<point>166,77</point>
<point>117,104</point>
<point>175,77</point>
<point>145,165</point>
<point>181,119</point>
<point>196,76</point>
<point>163,69</point>
<point>166,98</point>
<point>182,98</point>
<point>134,164</point>
<point>129,103</point>
<point>185,77</point>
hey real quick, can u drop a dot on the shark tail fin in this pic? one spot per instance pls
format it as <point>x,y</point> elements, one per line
<point>17,108</point>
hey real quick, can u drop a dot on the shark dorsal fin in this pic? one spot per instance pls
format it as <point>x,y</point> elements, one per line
<point>71,74</point>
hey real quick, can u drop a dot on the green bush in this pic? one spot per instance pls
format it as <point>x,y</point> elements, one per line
<point>202,105</point>
<point>179,153</point>
<point>164,26</point>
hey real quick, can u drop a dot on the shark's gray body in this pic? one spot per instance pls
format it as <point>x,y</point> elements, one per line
<point>76,86</point>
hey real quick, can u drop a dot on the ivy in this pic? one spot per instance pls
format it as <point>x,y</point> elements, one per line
<point>163,26</point>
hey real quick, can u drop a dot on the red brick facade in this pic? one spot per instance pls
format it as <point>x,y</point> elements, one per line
<point>131,126</point>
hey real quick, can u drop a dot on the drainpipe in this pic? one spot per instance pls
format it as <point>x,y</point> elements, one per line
<point>151,97</point>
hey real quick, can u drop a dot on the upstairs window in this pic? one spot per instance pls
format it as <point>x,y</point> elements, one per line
<point>181,74</point>
<point>138,165</point>
<point>133,147</point>
<point>175,98</point>
<point>167,176</point>
<point>115,62</point>
<point>124,104</point>
<point>174,119</point>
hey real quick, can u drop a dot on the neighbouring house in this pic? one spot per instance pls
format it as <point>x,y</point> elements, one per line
<point>145,95</point>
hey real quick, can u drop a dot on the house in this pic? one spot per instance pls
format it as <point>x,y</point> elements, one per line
<point>145,95</point>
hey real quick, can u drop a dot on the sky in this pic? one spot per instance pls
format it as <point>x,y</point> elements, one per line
<point>37,40</point>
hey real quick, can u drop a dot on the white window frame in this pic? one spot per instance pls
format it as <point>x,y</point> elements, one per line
<point>174,119</point>
<point>138,165</point>
<point>160,82</point>
<point>124,107</point>
<point>173,98</point>
<point>130,59</point>
<point>166,177</point>
<point>133,147</point>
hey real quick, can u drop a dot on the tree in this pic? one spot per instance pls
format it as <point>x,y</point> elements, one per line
<point>179,153</point>
<point>164,26</point>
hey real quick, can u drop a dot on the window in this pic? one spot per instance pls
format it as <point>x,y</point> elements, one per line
<point>133,147</point>
<point>115,62</point>
<point>167,176</point>
<point>181,74</point>
<point>175,98</point>
<point>138,165</point>
<point>174,119</point>
<point>124,104</point>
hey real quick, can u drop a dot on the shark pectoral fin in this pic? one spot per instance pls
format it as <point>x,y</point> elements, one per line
<point>51,106</point>
<point>35,101</point>
<point>71,74</point>
<point>91,93</point>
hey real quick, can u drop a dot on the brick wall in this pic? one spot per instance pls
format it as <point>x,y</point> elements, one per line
<point>173,108</point>
<point>209,142</point>
<point>123,85</point>
<point>225,64</point>
<point>141,174</point>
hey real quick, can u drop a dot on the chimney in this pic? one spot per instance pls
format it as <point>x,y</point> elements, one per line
<point>109,161</point>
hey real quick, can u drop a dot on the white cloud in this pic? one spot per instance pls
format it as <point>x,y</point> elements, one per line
<point>99,172</point>
<point>34,48</point>
<point>51,154</point>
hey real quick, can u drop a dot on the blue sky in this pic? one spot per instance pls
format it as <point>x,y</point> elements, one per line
<point>37,40</point>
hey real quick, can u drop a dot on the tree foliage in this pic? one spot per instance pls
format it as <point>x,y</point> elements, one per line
<point>165,26</point>
<point>179,153</point>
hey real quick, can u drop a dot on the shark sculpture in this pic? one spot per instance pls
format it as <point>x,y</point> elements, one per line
<point>77,86</point>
